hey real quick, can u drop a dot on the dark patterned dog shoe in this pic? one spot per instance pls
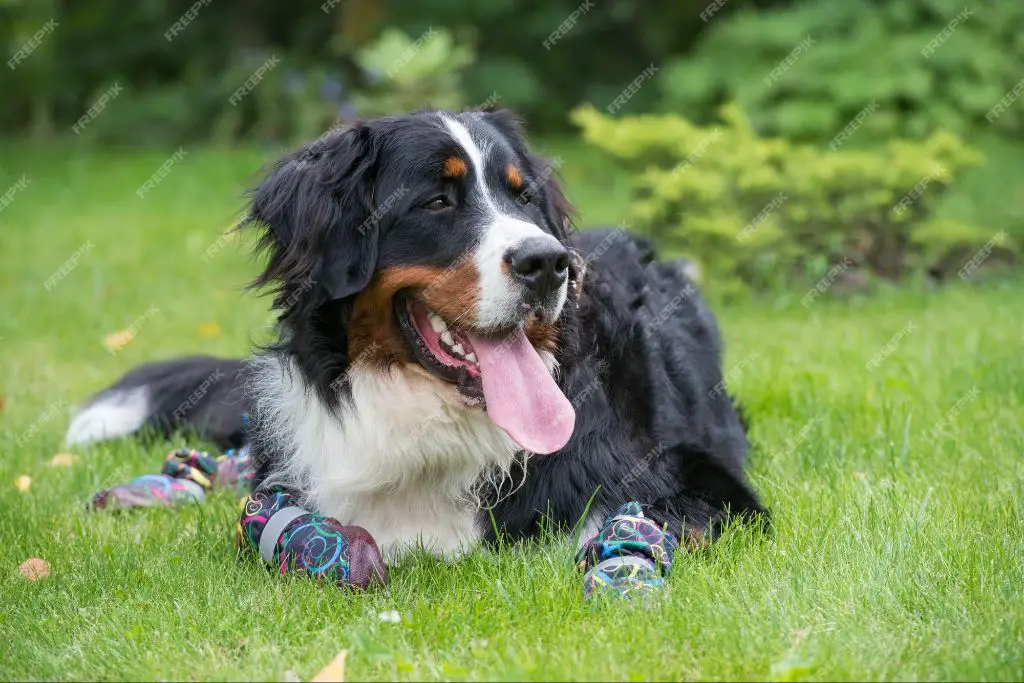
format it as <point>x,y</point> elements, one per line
<point>631,554</point>
<point>185,477</point>
<point>231,469</point>
<point>151,490</point>
<point>623,576</point>
<point>294,540</point>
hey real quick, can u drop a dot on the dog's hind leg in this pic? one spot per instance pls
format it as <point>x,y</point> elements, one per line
<point>185,477</point>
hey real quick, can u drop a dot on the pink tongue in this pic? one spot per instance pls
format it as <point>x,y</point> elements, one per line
<point>522,397</point>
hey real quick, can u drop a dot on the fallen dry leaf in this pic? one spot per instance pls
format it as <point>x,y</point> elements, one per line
<point>333,672</point>
<point>1,403</point>
<point>34,569</point>
<point>63,460</point>
<point>23,482</point>
<point>115,341</point>
<point>209,329</point>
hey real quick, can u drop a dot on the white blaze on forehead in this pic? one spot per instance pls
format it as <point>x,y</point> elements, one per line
<point>476,157</point>
<point>499,294</point>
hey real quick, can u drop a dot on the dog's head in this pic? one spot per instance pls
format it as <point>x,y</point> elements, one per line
<point>436,242</point>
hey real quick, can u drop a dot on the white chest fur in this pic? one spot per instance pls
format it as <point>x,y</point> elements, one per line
<point>401,459</point>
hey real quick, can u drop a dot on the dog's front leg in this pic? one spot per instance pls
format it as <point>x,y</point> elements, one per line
<point>630,554</point>
<point>292,539</point>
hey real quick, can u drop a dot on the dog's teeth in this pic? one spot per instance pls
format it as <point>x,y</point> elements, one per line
<point>447,338</point>
<point>471,357</point>
<point>458,350</point>
<point>437,323</point>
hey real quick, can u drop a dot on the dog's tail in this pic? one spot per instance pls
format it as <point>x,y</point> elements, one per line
<point>200,394</point>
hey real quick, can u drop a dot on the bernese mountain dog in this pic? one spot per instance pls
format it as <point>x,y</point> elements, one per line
<point>455,363</point>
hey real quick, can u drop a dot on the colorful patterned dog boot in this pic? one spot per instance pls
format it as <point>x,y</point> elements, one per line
<point>235,468</point>
<point>292,539</point>
<point>231,469</point>
<point>185,476</point>
<point>148,491</point>
<point>630,555</point>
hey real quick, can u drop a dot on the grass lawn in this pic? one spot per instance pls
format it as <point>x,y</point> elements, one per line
<point>897,553</point>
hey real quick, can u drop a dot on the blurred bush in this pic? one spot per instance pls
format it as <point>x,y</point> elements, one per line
<point>179,61</point>
<point>766,212</point>
<point>544,57</point>
<point>924,64</point>
<point>170,72</point>
<point>405,74</point>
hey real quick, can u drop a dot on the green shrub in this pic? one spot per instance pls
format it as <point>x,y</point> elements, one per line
<point>410,73</point>
<point>176,89</point>
<point>762,212</point>
<point>923,64</point>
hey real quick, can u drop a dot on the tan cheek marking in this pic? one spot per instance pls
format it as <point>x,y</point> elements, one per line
<point>543,336</point>
<point>373,334</point>
<point>454,167</point>
<point>454,292</point>
<point>515,179</point>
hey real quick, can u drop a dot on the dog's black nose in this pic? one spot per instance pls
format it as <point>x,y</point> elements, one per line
<point>540,263</point>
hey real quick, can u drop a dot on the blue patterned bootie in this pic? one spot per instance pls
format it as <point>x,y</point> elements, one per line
<point>630,555</point>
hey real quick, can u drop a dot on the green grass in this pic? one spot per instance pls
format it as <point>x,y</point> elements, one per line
<point>896,554</point>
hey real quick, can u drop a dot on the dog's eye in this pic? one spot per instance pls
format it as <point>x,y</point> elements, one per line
<point>437,203</point>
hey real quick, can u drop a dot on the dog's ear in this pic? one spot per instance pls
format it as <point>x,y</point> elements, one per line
<point>315,211</point>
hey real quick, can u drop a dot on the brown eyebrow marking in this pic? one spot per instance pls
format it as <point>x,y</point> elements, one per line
<point>454,167</point>
<point>515,178</point>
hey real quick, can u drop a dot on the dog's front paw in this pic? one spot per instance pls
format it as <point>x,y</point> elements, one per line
<point>630,555</point>
<point>294,540</point>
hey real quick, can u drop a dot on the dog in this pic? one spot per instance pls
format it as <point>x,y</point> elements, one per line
<point>455,362</point>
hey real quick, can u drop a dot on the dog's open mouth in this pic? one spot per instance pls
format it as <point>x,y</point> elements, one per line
<point>444,351</point>
<point>501,371</point>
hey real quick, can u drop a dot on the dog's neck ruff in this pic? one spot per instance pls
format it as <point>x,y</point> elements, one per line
<point>398,456</point>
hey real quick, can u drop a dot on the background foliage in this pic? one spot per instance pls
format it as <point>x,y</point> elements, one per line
<point>863,52</point>
<point>765,211</point>
<point>187,81</point>
<point>912,70</point>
